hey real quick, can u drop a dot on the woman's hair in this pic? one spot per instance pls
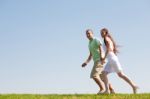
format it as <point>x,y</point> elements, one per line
<point>114,43</point>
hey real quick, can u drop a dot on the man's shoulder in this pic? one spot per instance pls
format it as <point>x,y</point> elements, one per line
<point>97,39</point>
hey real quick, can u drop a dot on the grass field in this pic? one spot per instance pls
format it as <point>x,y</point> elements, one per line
<point>74,96</point>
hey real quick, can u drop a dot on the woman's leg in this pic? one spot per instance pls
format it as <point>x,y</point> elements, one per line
<point>124,77</point>
<point>112,91</point>
<point>105,79</point>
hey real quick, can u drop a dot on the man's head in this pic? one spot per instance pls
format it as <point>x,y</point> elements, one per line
<point>89,34</point>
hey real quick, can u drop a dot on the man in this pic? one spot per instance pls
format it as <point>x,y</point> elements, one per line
<point>95,48</point>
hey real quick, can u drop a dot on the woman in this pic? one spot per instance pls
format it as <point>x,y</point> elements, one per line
<point>113,64</point>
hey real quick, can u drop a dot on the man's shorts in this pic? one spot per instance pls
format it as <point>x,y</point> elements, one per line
<point>97,70</point>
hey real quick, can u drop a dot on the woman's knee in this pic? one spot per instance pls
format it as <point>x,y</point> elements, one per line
<point>121,75</point>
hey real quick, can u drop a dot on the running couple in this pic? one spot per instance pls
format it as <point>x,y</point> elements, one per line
<point>98,73</point>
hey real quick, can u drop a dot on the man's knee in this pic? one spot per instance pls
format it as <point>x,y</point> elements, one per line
<point>95,77</point>
<point>102,75</point>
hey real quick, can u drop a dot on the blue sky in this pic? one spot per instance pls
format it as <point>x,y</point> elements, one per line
<point>43,44</point>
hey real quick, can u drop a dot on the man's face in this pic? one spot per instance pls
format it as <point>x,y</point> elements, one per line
<point>89,35</point>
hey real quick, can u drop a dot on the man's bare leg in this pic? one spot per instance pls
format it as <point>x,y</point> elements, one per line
<point>99,83</point>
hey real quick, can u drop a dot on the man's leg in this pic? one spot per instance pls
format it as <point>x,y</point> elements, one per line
<point>99,83</point>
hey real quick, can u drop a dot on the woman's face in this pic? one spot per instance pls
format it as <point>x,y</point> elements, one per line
<point>103,33</point>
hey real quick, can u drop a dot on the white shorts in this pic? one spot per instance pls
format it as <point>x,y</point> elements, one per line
<point>113,64</point>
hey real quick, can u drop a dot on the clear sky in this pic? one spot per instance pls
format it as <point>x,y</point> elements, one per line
<point>43,44</point>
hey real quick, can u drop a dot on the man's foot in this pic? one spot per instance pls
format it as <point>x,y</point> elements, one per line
<point>135,88</point>
<point>106,92</point>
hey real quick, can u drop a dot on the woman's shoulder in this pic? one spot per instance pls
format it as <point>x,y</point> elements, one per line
<point>107,38</point>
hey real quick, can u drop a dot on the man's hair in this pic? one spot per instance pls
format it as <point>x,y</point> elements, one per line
<point>89,30</point>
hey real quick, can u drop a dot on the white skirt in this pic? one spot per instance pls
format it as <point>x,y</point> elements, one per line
<point>113,64</point>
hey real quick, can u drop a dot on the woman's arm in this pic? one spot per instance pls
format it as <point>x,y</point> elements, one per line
<point>106,53</point>
<point>107,48</point>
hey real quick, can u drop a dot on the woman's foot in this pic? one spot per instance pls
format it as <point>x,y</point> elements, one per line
<point>135,88</point>
<point>112,91</point>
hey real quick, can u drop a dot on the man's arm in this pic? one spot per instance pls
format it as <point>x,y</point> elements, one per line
<point>101,52</point>
<point>101,55</point>
<point>87,61</point>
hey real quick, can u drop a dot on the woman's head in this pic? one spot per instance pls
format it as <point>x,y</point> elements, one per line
<point>104,32</point>
<point>89,34</point>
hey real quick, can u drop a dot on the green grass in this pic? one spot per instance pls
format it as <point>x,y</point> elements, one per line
<point>74,96</point>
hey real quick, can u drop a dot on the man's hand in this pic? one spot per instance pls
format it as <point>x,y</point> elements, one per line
<point>84,64</point>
